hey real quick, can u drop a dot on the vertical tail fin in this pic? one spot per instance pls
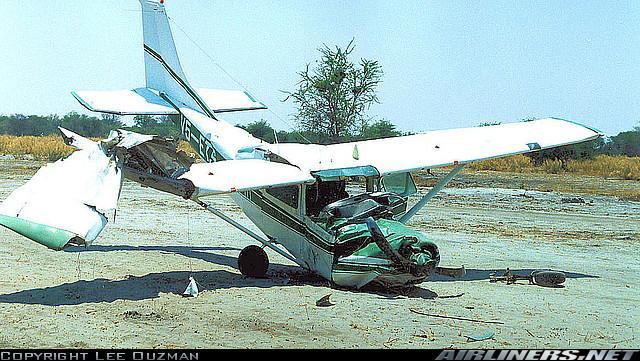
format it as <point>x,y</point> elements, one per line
<point>162,65</point>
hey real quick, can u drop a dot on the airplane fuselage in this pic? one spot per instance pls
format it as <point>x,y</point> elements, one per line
<point>286,222</point>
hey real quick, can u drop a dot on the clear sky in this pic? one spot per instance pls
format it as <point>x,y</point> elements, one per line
<point>446,63</point>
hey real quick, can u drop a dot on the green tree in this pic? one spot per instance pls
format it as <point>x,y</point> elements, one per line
<point>4,121</point>
<point>380,129</point>
<point>332,98</point>
<point>111,122</point>
<point>164,126</point>
<point>19,124</point>
<point>89,126</point>
<point>145,121</point>
<point>625,143</point>
<point>261,130</point>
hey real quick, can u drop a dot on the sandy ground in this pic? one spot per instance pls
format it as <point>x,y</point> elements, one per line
<point>124,290</point>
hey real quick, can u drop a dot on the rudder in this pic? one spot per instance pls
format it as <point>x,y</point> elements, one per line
<point>163,71</point>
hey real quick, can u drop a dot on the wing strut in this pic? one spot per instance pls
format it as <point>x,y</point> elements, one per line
<point>427,197</point>
<point>249,232</point>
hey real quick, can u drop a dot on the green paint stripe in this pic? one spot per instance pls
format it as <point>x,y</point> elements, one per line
<point>181,82</point>
<point>52,237</point>
<point>177,78</point>
<point>281,215</point>
<point>284,218</point>
<point>84,104</point>
<point>231,110</point>
<point>250,97</point>
<point>582,125</point>
<point>360,267</point>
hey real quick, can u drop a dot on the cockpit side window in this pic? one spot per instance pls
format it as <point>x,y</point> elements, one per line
<point>322,193</point>
<point>287,195</point>
<point>401,183</point>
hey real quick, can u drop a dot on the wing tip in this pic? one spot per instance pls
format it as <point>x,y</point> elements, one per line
<point>81,101</point>
<point>598,132</point>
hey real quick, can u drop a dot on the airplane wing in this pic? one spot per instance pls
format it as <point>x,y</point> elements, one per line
<point>65,202</point>
<point>144,101</point>
<point>437,148</point>
<point>242,175</point>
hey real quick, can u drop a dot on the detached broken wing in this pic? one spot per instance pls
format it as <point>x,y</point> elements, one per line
<point>65,202</point>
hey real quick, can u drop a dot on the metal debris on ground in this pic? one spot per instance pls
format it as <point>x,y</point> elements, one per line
<point>454,317</point>
<point>481,337</point>
<point>525,195</point>
<point>452,296</point>
<point>575,200</point>
<point>324,301</point>
<point>543,278</point>
<point>192,289</point>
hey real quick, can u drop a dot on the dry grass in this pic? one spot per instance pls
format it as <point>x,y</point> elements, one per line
<point>514,164</point>
<point>185,146</point>
<point>50,147</point>
<point>619,167</point>
<point>628,195</point>
<point>608,166</point>
<point>43,148</point>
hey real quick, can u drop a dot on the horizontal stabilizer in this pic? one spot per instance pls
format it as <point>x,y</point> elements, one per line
<point>140,101</point>
<point>143,101</point>
<point>242,175</point>
<point>222,101</point>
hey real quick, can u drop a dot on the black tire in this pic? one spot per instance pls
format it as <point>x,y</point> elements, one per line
<point>548,278</point>
<point>253,262</point>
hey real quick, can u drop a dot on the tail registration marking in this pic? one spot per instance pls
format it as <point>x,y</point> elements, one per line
<point>201,144</point>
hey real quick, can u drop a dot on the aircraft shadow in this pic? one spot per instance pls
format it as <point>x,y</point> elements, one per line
<point>130,288</point>
<point>152,285</point>
<point>292,274</point>
<point>201,253</point>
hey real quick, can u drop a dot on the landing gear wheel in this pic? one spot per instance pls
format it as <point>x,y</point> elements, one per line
<point>548,278</point>
<point>253,262</point>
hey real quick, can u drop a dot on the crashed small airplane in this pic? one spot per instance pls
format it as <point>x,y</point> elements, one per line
<point>296,194</point>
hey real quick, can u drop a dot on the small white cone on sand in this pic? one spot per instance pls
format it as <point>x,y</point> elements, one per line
<point>192,289</point>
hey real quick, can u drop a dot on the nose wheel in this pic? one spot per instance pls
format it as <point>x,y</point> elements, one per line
<point>253,262</point>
